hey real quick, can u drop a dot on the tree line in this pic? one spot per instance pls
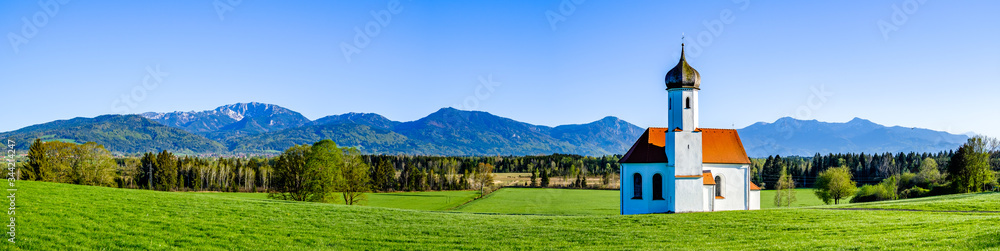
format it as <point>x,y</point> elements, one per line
<point>284,175</point>
<point>865,168</point>
<point>974,167</point>
<point>420,173</point>
<point>91,164</point>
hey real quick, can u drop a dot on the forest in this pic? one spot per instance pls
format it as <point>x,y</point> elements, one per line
<point>865,168</point>
<point>91,164</point>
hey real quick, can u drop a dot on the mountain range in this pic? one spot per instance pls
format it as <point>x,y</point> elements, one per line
<point>788,136</point>
<point>257,128</point>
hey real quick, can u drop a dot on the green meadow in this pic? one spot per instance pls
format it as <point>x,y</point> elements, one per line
<point>988,202</point>
<point>433,201</point>
<point>70,217</point>
<point>804,197</point>
<point>547,201</point>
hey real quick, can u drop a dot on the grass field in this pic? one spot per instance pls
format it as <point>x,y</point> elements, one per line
<point>61,216</point>
<point>956,202</point>
<point>549,201</point>
<point>545,201</point>
<point>433,201</point>
<point>436,201</point>
<point>804,197</point>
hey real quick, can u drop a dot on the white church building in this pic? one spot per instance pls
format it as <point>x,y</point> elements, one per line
<point>684,168</point>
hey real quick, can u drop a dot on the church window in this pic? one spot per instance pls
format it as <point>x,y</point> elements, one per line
<point>718,186</point>
<point>637,186</point>
<point>670,106</point>
<point>687,103</point>
<point>657,187</point>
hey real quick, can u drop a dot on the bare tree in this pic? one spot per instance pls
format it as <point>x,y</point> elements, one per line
<point>484,176</point>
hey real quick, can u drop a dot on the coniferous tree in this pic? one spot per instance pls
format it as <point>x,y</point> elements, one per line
<point>534,178</point>
<point>166,171</point>
<point>384,176</point>
<point>39,166</point>
<point>545,178</point>
<point>147,172</point>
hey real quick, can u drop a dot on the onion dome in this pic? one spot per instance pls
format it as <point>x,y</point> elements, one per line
<point>683,75</point>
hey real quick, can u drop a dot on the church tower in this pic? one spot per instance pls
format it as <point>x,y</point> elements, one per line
<point>683,144</point>
<point>683,167</point>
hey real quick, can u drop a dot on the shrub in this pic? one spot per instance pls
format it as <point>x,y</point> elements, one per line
<point>885,190</point>
<point>867,193</point>
<point>915,192</point>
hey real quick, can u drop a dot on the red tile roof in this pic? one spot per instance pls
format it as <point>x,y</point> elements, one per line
<point>707,179</point>
<point>754,186</point>
<point>649,148</point>
<point>720,146</point>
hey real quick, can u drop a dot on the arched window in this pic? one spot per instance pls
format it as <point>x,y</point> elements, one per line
<point>687,103</point>
<point>670,106</point>
<point>657,187</point>
<point>718,186</point>
<point>637,186</point>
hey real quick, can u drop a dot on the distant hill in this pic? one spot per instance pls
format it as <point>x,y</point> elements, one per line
<point>241,119</point>
<point>266,128</point>
<point>450,132</point>
<point>788,136</point>
<point>369,119</point>
<point>482,133</point>
<point>607,136</point>
<point>366,138</point>
<point>118,133</point>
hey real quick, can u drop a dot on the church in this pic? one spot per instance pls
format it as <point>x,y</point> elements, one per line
<point>682,167</point>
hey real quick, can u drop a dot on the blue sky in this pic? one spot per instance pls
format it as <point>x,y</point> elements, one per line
<point>932,64</point>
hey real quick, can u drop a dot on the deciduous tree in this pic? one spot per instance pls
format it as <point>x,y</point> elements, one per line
<point>786,189</point>
<point>92,165</point>
<point>354,181</point>
<point>835,184</point>
<point>324,167</point>
<point>969,169</point>
<point>928,172</point>
<point>290,175</point>
<point>484,176</point>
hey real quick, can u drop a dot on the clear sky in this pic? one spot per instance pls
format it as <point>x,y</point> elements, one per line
<point>931,64</point>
